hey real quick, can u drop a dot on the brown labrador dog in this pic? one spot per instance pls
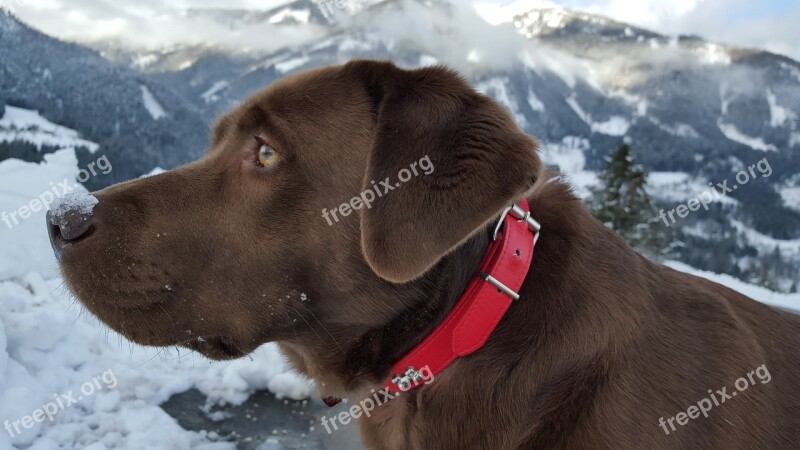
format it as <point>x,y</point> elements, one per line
<point>256,243</point>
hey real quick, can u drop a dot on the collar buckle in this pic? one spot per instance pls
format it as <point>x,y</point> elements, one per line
<point>519,214</point>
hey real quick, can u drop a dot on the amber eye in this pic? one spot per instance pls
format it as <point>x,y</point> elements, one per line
<point>267,156</point>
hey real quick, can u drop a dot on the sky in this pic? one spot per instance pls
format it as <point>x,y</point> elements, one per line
<point>768,24</point>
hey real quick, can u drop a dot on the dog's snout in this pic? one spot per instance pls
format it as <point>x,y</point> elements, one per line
<point>69,220</point>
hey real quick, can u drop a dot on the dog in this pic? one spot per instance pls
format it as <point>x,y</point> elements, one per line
<point>272,237</point>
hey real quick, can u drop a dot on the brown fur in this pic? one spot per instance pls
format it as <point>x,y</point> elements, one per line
<point>601,344</point>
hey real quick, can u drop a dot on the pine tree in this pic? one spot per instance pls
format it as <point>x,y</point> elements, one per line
<point>621,202</point>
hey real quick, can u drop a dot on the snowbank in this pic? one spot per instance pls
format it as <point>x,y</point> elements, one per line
<point>763,295</point>
<point>54,348</point>
<point>25,190</point>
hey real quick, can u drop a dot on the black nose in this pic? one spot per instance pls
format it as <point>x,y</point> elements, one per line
<point>69,220</point>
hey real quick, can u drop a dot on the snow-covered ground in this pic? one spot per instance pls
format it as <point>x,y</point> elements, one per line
<point>53,354</point>
<point>19,124</point>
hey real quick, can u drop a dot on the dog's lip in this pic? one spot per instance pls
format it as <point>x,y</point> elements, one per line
<point>216,347</point>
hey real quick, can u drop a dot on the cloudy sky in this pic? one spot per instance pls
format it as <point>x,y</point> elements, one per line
<point>769,24</point>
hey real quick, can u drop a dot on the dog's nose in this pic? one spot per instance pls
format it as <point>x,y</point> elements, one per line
<point>69,220</point>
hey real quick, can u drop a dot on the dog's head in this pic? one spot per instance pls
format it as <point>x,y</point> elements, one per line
<point>317,195</point>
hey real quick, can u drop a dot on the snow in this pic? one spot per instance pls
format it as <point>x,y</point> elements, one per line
<point>82,203</point>
<point>496,13</point>
<point>154,172</point>
<point>497,88</point>
<point>151,104</point>
<point>143,61</point>
<point>793,70</point>
<point>185,64</point>
<point>211,95</point>
<point>763,295</point>
<point>49,347</point>
<point>614,126</point>
<point>635,101</point>
<point>291,64</point>
<point>678,129</point>
<point>564,65</point>
<point>568,156</point>
<point>766,244</point>
<point>298,15</point>
<point>534,102</point>
<point>732,133</point>
<point>791,197</point>
<point>19,124</point>
<point>427,60</point>
<point>537,22</point>
<point>777,113</point>
<point>713,54</point>
<point>654,44</point>
<point>667,178</point>
<point>25,245</point>
<point>679,187</point>
<point>76,348</point>
<point>350,44</point>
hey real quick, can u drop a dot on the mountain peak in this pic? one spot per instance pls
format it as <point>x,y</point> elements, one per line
<point>8,21</point>
<point>496,14</point>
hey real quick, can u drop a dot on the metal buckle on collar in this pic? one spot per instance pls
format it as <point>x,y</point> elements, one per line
<point>518,214</point>
<point>499,285</point>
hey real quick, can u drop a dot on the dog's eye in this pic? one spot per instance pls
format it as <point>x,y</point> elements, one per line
<point>267,156</point>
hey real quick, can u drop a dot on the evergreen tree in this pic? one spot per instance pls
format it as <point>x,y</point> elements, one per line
<point>621,202</point>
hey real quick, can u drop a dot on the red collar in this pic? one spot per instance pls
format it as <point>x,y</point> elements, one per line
<point>487,298</point>
<point>476,314</point>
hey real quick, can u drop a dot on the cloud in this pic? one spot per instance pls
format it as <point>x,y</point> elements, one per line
<point>157,24</point>
<point>456,34</point>
<point>768,24</point>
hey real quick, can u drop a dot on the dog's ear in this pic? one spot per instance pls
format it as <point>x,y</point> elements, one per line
<point>444,162</point>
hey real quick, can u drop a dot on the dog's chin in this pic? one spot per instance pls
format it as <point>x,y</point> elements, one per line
<point>219,348</point>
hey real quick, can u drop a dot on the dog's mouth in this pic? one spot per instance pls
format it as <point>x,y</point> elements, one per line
<point>217,347</point>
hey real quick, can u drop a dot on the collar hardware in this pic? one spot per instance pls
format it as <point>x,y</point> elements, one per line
<point>412,375</point>
<point>500,286</point>
<point>519,214</point>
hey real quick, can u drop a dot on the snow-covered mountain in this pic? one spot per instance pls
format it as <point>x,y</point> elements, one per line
<point>694,112</point>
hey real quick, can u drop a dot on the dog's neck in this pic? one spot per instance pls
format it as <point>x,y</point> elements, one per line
<point>360,358</point>
<point>367,353</point>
